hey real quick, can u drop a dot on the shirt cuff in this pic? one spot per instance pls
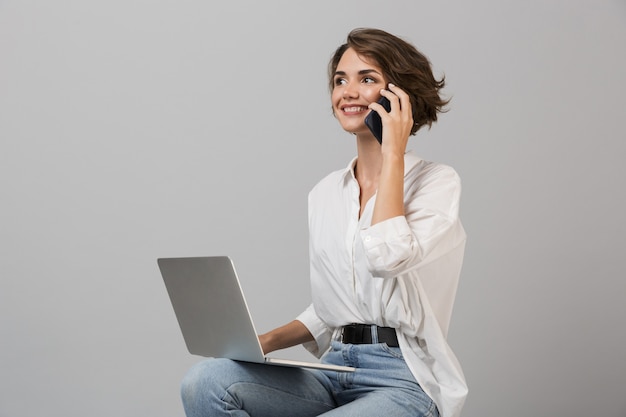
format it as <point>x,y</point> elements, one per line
<point>320,331</point>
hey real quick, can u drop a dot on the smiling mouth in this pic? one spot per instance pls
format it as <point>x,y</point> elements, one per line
<point>354,109</point>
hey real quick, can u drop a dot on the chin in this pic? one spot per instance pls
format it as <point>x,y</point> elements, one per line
<point>353,129</point>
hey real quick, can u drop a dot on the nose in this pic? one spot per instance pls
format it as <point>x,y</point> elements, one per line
<point>350,91</point>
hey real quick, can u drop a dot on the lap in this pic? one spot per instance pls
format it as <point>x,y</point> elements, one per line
<point>263,390</point>
<point>382,385</point>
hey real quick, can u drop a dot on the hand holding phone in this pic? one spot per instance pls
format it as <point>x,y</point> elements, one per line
<point>373,120</point>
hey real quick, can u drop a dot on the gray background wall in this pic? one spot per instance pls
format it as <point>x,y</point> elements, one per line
<point>131,130</point>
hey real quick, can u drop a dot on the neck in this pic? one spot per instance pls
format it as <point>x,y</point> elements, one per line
<point>369,161</point>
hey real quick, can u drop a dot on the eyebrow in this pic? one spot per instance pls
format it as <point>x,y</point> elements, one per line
<point>362,72</point>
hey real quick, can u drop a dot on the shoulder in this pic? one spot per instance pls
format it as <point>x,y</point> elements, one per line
<point>434,179</point>
<point>421,173</point>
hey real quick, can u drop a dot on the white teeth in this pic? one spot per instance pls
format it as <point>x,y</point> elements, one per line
<point>353,109</point>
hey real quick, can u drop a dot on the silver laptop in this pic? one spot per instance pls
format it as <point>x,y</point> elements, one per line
<point>213,314</point>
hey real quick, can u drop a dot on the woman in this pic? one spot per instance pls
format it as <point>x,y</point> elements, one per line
<point>386,248</point>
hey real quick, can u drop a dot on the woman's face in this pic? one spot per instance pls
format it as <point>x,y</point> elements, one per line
<point>357,83</point>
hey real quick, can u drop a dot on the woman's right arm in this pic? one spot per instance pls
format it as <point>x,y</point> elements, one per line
<point>291,334</point>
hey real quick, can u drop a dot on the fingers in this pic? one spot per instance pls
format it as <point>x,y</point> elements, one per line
<point>398,97</point>
<point>400,104</point>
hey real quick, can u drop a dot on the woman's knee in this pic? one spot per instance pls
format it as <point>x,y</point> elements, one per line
<point>207,377</point>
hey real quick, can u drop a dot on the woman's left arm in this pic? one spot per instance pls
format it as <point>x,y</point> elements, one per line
<point>405,234</point>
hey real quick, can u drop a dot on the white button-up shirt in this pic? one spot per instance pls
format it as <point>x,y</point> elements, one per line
<point>402,272</point>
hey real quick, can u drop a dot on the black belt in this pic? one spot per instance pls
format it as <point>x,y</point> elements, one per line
<point>358,334</point>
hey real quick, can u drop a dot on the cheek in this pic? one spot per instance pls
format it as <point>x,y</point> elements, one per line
<point>372,95</point>
<point>335,97</point>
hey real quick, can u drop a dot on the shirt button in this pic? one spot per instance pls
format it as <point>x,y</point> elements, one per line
<point>368,238</point>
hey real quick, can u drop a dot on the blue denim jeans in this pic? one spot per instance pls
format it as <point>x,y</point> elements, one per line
<point>381,385</point>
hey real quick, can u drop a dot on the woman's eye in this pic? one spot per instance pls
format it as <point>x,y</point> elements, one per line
<point>340,81</point>
<point>369,80</point>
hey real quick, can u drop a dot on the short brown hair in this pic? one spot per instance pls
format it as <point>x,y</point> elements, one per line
<point>403,65</point>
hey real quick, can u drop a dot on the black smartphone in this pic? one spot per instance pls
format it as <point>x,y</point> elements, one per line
<point>373,121</point>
